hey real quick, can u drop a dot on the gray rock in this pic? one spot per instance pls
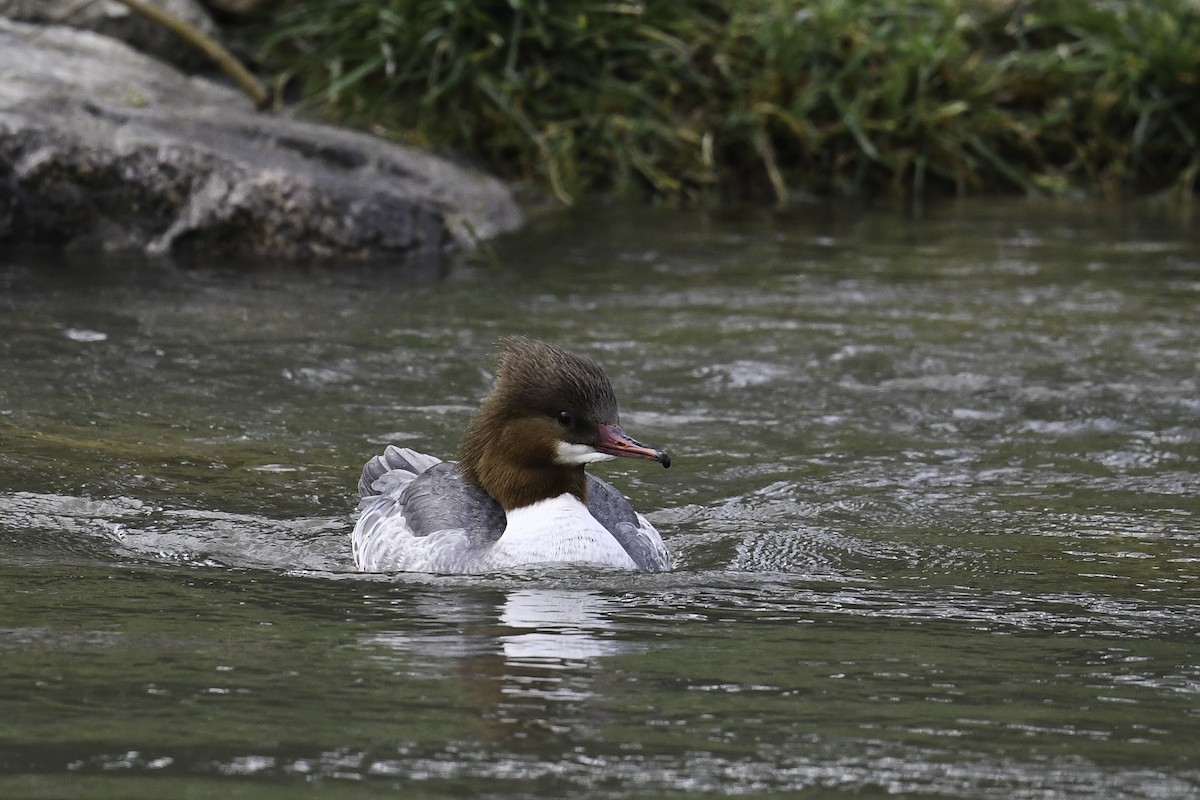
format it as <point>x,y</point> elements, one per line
<point>118,21</point>
<point>103,147</point>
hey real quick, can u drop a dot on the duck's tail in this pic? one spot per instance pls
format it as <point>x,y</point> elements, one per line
<point>393,469</point>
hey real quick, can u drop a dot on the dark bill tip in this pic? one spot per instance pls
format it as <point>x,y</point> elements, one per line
<point>616,442</point>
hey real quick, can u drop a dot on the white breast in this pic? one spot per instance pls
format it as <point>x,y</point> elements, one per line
<point>559,530</point>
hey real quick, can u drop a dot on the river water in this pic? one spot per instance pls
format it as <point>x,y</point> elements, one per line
<point>933,511</point>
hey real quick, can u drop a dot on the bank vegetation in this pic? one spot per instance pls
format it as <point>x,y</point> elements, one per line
<point>704,100</point>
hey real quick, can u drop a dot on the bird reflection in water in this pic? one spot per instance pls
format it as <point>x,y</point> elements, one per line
<point>527,660</point>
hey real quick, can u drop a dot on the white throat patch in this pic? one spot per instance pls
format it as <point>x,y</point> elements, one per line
<point>573,455</point>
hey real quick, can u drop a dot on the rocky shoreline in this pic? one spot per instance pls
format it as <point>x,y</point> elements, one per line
<point>104,148</point>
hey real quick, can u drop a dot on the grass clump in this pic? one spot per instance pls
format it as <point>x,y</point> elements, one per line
<point>700,98</point>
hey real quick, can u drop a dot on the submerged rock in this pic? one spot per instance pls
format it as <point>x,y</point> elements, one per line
<point>103,147</point>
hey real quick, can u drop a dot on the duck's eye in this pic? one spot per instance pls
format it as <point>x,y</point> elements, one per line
<point>566,419</point>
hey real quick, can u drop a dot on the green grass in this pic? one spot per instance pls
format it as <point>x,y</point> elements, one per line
<point>704,99</point>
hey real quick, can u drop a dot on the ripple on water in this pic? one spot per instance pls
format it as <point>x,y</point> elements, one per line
<point>126,528</point>
<point>812,764</point>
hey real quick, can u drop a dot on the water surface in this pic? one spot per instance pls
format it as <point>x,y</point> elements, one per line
<point>933,509</point>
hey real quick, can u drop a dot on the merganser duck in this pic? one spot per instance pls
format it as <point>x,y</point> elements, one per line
<point>519,494</point>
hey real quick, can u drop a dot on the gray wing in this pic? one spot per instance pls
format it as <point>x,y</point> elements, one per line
<point>440,498</point>
<point>407,496</point>
<point>633,531</point>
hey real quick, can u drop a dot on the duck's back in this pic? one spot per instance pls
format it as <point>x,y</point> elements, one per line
<point>418,513</point>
